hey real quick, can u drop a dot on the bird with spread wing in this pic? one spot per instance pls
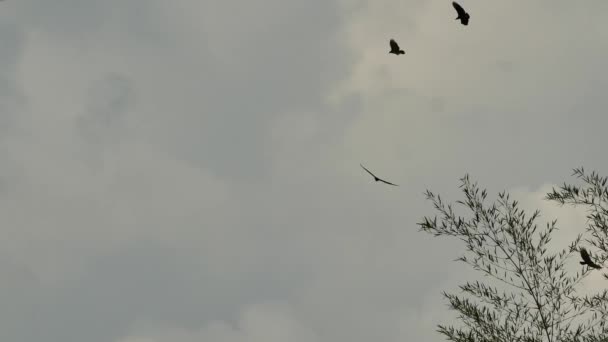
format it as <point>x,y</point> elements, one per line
<point>463,16</point>
<point>376,178</point>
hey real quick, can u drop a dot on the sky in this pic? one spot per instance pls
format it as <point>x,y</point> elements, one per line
<point>184,171</point>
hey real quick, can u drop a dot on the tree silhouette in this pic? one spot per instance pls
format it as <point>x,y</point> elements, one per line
<point>593,194</point>
<point>528,293</point>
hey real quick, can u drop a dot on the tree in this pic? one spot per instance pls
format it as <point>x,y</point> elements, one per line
<point>594,195</point>
<point>527,294</point>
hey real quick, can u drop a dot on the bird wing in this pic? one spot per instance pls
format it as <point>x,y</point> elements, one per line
<point>389,183</point>
<point>368,171</point>
<point>458,8</point>
<point>394,45</point>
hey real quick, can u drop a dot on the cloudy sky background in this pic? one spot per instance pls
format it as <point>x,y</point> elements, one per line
<point>181,171</point>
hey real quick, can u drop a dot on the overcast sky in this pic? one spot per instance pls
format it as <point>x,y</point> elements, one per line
<point>187,170</point>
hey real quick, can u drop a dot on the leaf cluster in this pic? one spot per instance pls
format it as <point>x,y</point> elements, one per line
<point>528,295</point>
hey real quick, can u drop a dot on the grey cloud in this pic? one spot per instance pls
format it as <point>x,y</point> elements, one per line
<point>223,68</point>
<point>12,99</point>
<point>226,160</point>
<point>86,22</point>
<point>109,100</point>
<point>289,65</point>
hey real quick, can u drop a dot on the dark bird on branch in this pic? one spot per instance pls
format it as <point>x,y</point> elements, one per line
<point>587,259</point>
<point>376,178</point>
<point>463,16</point>
<point>395,48</point>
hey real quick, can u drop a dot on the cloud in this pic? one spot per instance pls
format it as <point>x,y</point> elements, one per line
<point>263,322</point>
<point>186,170</point>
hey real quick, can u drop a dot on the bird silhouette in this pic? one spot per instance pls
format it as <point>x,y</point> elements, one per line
<point>587,259</point>
<point>462,14</point>
<point>376,178</point>
<point>395,48</point>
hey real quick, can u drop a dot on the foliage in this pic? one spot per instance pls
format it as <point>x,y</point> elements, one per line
<point>593,195</point>
<point>528,295</point>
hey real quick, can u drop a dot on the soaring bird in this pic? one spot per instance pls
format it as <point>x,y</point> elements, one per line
<point>462,14</point>
<point>587,259</point>
<point>376,178</point>
<point>395,48</point>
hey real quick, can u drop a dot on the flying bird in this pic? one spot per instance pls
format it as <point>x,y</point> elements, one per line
<point>376,178</point>
<point>587,259</point>
<point>395,48</point>
<point>462,14</point>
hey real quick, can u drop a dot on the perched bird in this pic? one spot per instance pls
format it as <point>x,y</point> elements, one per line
<point>587,259</point>
<point>376,178</point>
<point>462,14</point>
<point>395,48</point>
